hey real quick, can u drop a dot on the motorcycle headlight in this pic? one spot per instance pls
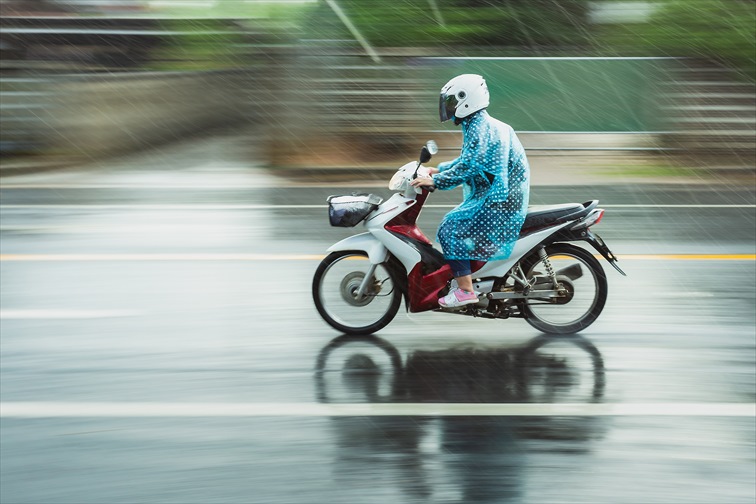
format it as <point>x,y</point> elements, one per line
<point>398,181</point>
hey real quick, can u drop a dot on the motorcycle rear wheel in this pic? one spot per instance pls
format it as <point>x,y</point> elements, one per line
<point>334,289</point>
<point>587,293</point>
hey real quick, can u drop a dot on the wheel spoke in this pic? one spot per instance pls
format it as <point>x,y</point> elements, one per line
<point>583,285</point>
<point>336,290</point>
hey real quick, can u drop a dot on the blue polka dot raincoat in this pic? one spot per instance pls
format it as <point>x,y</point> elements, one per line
<point>494,172</point>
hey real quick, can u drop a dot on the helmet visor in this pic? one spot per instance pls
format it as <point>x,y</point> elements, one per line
<point>447,105</point>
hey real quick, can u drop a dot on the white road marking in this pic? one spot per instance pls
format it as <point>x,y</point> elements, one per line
<point>315,257</point>
<point>320,206</point>
<point>161,257</point>
<point>154,409</point>
<point>64,314</point>
<point>202,207</point>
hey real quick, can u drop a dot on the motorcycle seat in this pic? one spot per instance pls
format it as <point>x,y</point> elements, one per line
<point>539,217</point>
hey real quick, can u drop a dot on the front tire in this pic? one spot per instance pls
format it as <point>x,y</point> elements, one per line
<point>334,291</point>
<point>586,294</point>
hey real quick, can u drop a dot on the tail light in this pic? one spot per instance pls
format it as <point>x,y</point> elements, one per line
<point>592,218</point>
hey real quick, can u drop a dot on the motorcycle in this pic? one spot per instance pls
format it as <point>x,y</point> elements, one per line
<point>557,287</point>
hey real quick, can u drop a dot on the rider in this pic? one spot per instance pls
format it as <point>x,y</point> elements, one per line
<point>494,172</point>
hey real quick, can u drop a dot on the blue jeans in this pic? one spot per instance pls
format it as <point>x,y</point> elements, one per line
<point>460,268</point>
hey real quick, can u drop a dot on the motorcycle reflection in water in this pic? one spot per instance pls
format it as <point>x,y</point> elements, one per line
<point>456,458</point>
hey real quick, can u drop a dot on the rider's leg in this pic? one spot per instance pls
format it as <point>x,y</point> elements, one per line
<point>464,295</point>
<point>462,272</point>
<point>465,283</point>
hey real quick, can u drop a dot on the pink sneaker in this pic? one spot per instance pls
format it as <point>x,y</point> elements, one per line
<point>457,298</point>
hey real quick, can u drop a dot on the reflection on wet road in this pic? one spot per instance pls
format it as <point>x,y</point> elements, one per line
<point>464,374</point>
<point>474,458</point>
<point>154,353</point>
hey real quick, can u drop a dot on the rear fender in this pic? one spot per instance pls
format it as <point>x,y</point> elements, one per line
<point>595,240</point>
<point>599,245</point>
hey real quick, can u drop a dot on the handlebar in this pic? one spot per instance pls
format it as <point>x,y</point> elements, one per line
<point>429,188</point>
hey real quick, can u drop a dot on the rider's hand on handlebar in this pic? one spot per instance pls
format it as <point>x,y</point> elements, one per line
<point>432,171</point>
<point>422,182</point>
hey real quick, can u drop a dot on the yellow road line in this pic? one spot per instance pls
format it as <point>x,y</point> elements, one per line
<point>316,257</point>
<point>688,257</point>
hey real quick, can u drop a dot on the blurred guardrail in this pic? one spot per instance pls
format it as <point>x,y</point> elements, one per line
<point>71,43</point>
<point>79,85</point>
<point>711,110</point>
<point>345,108</point>
<point>83,86</point>
<point>102,114</point>
<point>582,142</point>
<point>24,101</point>
<point>343,104</point>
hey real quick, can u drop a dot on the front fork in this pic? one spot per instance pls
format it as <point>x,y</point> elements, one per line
<point>366,282</point>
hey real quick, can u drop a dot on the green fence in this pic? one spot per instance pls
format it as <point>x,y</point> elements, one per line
<point>567,94</point>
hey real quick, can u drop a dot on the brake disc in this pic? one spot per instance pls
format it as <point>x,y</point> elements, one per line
<point>350,285</point>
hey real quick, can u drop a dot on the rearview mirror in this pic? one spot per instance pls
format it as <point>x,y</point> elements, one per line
<point>432,147</point>
<point>429,149</point>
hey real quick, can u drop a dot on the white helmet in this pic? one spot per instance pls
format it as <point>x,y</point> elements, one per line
<point>463,95</point>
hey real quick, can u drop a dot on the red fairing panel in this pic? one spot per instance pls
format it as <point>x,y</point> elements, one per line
<point>410,231</point>
<point>424,290</point>
<point>404,223</point>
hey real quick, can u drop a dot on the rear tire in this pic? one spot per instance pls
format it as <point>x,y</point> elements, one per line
<point>587,293</point>
<point>335,281</point>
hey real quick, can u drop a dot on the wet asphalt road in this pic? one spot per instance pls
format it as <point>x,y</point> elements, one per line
<point>123,289</point>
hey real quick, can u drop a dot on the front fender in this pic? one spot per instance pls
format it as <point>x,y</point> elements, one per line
<point>376,251</point>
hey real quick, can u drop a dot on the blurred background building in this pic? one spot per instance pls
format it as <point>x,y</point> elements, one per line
<point>354,83</point>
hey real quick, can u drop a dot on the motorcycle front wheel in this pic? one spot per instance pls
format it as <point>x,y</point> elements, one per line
<point>335,292</point>
<point>583,279</point>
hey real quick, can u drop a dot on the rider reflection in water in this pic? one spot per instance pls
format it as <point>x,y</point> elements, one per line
<point>494,172</point>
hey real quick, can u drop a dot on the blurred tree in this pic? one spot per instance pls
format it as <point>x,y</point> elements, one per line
<point>723,30</point>
<point>199,44</point>
<point>460,23</point>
